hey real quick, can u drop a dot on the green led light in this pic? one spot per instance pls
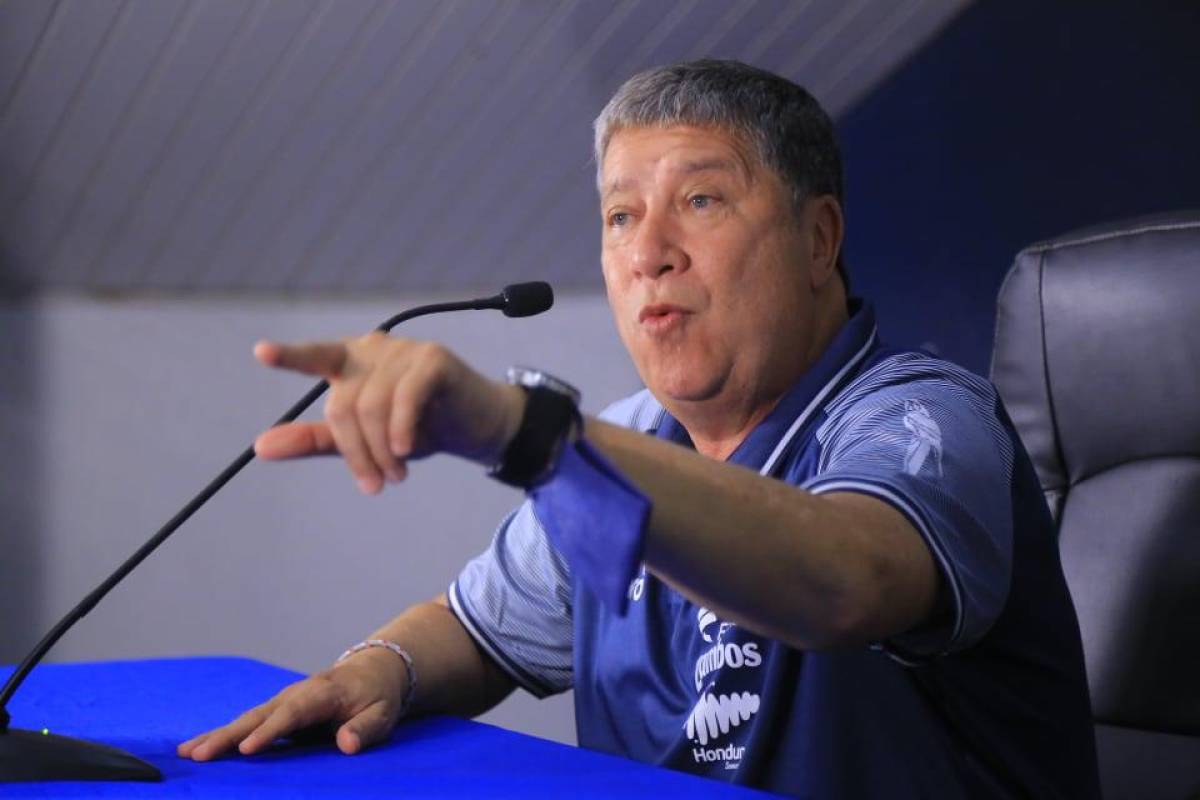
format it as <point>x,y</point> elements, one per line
<point>45,731</point>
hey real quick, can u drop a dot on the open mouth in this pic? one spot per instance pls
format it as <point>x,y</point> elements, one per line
<point>661,318</point>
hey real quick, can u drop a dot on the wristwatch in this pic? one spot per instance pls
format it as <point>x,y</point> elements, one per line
<point>551,419</point>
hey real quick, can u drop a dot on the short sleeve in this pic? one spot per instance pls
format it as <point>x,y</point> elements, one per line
<point>934,448</point>
<point>514,599</point>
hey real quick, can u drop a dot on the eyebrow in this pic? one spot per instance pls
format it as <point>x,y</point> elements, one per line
<point>687,168</point>
<point>616,185</point>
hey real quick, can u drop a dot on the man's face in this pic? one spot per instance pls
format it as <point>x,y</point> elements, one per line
<point>706,267</point>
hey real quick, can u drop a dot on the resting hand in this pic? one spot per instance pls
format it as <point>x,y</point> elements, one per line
<point>361,697</point>
<point>391,400</point>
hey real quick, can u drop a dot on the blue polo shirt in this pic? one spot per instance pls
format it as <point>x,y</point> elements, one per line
<point>989,699</point>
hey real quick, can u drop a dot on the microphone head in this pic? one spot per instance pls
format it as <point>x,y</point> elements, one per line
<point>526,299</point>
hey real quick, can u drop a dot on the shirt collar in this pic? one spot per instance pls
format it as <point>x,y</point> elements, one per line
<point>768,441</point>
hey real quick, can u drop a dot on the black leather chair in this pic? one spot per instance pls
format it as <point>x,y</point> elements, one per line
<point>1097,357</point>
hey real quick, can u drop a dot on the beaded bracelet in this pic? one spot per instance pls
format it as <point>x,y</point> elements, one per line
<point>406,701</point>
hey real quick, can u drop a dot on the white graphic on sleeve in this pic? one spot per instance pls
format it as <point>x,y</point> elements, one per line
<point>926,438</point>
<point>714,715</point>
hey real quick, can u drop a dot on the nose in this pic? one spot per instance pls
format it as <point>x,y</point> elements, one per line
<point>656,247</point>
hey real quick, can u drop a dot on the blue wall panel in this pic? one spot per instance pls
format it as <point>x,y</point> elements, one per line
<point>1020,121</point>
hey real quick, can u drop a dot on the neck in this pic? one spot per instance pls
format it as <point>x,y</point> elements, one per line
<point>718,425</point>
<point>717,430</point>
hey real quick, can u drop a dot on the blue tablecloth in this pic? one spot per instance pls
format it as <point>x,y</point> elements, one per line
<point>148,707</point>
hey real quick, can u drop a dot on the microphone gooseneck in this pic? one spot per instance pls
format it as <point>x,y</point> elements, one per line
<point>516,300</point>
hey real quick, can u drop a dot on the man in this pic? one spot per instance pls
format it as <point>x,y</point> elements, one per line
<point>799,560</point>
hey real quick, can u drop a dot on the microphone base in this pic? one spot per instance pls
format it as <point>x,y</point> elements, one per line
<point>36,756</point>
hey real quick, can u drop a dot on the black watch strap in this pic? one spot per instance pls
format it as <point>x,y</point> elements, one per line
<point>550,418</point>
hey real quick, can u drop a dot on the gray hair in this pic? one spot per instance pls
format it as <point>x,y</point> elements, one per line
<point>782,123</point>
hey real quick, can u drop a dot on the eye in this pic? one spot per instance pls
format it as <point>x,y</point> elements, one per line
<point>701,201</point>
<point>618,219</point>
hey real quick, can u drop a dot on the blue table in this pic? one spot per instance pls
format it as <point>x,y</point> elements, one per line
<point>147,707</point>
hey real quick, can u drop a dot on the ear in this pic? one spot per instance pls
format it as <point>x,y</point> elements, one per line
<point>827,228</point>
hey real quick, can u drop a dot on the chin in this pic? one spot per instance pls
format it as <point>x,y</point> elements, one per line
<point>683,386</point>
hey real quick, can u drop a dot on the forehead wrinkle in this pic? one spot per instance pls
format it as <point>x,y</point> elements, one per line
<point>739,160</point>
<point>689,167</point>
<point>745,157</point>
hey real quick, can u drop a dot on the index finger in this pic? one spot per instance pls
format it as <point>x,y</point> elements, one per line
<point>320,359</point>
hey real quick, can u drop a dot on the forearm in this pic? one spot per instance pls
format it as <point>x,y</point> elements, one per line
<point>813,571</point>
<point>453,675</point>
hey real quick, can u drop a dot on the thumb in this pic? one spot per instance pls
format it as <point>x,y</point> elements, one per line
<point>368,727</point>
<point>295,440</point>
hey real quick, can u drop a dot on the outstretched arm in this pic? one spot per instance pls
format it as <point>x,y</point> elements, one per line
<point>814,571</point>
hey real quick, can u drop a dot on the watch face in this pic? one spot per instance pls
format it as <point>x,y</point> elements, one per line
<point>529,378</point>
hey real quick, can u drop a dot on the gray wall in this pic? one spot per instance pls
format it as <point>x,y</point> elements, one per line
<point>115,412</point>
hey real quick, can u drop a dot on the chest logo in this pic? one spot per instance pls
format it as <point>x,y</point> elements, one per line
<point>715,713</point>
<point>732,655</point>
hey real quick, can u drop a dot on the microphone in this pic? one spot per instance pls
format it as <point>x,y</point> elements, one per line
<point>42,756</point>
<point>527,299</point>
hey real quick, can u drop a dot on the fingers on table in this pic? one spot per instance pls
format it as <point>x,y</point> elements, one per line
<point>298,707</point>
<point>285,718</point>
<point>212,744</point>
<point>185,748</point>
<point>369,726</point>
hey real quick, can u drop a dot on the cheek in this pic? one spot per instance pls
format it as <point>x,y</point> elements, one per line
<point>777,281</point>
<point>617,300</point>
<point>617,286</point>
<point>609,272</point>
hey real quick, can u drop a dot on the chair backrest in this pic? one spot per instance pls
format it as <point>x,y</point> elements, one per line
<point>1097,358</point>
